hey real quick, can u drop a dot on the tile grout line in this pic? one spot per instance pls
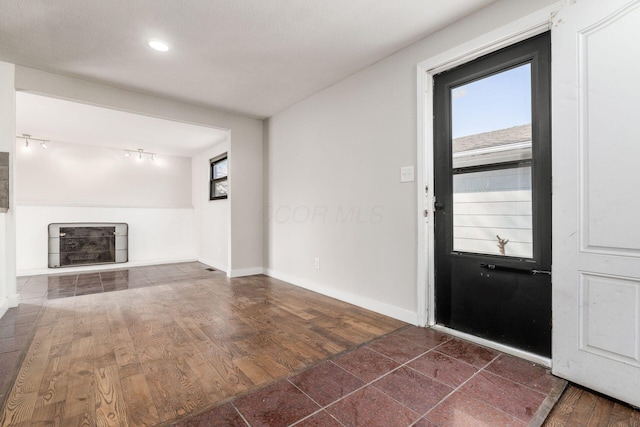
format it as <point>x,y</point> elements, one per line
<point>461,385</point>
<point>406,364</point>
<point>434,379</point>
<point>370,383</point>
<point>483,369</point>
<point>239,413</point>
<point>507,379</point>
<point>322,408</point>
<point>366,384</point>
<point>519,383</point>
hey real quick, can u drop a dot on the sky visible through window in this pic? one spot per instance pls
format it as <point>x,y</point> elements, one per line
<point>496,102</point>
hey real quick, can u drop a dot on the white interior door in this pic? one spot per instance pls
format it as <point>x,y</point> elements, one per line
<point>596,196</point>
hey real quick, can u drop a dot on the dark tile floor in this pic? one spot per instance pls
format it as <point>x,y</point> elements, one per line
<point>411,377</point>
<point>68,285</point>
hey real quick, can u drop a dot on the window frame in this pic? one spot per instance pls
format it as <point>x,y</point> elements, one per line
<point>213,181</point>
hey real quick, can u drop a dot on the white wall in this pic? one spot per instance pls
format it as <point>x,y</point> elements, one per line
<point>246,199</point>
<point>67,174</point>
<point>156,235</point>
<point>211,217</point>
<point>340,152</point>
<point>8,291</point>
<point>246,195</point>
<point>83,183</point>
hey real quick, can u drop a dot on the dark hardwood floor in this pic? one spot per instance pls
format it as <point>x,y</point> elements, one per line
<point>179,339</point>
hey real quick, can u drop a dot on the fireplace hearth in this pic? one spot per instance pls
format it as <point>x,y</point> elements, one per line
<point>72,244</point>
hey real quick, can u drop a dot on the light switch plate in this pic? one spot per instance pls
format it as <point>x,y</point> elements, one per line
<point>407,174</point>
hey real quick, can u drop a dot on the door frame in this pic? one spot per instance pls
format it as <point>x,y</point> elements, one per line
<point>519,30</point>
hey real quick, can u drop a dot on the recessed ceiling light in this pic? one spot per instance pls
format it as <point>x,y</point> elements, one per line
<point>158,45</point>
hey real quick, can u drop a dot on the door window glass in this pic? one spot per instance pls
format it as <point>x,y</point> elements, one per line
<point>492,212</point>
<point>499,101</point>
<point>491,164</point>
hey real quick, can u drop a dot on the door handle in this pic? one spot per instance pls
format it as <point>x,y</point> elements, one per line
<point>438,205</point>
<point>514,269</point>
<point>540,272</point>
<point>505,268</point>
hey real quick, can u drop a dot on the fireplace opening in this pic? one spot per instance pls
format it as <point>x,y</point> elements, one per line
<point>87,243</point>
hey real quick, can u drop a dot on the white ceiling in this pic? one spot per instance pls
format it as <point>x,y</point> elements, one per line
<point>255,57</point>
<point>63,121</point>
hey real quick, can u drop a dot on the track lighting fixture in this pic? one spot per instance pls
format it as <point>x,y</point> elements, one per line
<point>140,152</point>
<point>28,138</point>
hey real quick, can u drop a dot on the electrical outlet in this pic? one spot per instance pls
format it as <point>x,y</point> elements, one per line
<point>316,263</point>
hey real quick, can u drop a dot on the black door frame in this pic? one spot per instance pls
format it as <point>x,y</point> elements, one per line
<point>535,51</point>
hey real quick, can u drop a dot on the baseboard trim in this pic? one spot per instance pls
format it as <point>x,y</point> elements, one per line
<point>543,361</point>
<point>3,308</point>
<point>213,265</point>
<point>10,302</point>
<point>245,272</point>
<point>357,300</point>
<point>101,267</point>
<point>13,300</point>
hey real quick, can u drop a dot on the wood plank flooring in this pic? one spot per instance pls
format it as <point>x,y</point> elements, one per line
<point>176,340</point>
<point>580,407</point>
<point>145,356</point>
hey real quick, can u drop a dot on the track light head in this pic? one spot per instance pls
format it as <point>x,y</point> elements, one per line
<point>26,141</point>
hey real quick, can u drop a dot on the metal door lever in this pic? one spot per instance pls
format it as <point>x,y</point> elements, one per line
<point>541,272</point>
<point>513,269</point>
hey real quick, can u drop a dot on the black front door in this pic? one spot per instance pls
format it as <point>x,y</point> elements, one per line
<point>493,197</point>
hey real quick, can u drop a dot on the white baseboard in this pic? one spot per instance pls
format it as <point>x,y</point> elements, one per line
<point>3,308</point>
<point>245,272</point>
<point>13,300</point>
<point>214,265</point>
<point>358,300</point>
<point>543,361</point>
<point>100,267</point>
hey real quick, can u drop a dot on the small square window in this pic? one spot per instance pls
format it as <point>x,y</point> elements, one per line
<point>219,184</point>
